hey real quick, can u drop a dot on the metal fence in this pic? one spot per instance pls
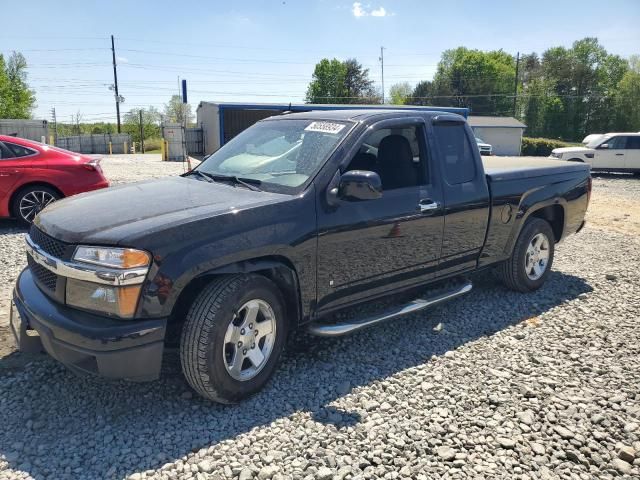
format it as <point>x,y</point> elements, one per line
<point>195,141</point>
<point>96,143</point>
<point>29,129</point>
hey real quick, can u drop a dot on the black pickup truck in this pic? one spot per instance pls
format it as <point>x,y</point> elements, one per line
<point>298,217</point>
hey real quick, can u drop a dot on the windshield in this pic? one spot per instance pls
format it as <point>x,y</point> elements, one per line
<point>284,153</point>
<point>593,143</point>
<point>479,140</point>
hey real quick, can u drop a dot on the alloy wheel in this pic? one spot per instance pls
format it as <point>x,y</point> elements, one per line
<point>537,256</point>
<point>33,202</point>
<point>249,340</point>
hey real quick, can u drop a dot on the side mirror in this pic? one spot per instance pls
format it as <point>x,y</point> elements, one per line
<point>358,185</point>
<point>604,146</point>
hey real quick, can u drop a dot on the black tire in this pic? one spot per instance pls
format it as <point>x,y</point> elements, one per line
<point>32,193</point>
<point>513,272</point>
<point>202,343</point>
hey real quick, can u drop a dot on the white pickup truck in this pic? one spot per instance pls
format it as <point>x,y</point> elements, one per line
<point>615,152</point>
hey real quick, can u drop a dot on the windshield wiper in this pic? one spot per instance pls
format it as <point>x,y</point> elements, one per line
<point>250,183</point>
<point>200,174</point>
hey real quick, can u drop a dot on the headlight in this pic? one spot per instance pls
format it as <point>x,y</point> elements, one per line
<point>556,155</point>
<point>118,301</point>
<point>112,257</point>
<point>114,299</point>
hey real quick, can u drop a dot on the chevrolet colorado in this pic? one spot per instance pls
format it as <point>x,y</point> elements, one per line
<point>298,217</point>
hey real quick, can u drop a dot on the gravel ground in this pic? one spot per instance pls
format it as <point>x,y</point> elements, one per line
<point>492,385</point>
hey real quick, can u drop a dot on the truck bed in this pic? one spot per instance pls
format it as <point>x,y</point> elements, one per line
<point>510,168</point>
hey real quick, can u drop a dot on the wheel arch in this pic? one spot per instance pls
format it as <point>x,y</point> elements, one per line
<point>276,268</point>
<point>555,216</point>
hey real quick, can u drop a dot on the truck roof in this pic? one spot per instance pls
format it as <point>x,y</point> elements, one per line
<point>360,114</point>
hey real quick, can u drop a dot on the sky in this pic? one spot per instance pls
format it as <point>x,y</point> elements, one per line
<point>265,51</point>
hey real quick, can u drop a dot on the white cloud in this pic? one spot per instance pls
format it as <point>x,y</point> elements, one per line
<point>360,10</point>
<point>122,59</point>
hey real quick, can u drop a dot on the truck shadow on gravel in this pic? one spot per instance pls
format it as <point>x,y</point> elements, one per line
<point>58,425</point>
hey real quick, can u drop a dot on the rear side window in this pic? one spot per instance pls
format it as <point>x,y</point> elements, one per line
<point>456,152</point>
<point>633,143</point>
<point>5,152</point>
<point>19,150</point>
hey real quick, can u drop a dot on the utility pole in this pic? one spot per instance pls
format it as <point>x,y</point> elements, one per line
<point>55,124</point>
<point>382,68</point>
<point>141,134</point>
<point>515,85</point>
<point>115,80</point>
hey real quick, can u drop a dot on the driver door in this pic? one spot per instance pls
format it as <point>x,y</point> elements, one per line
<point>613,156</point>
<point>370,247</point>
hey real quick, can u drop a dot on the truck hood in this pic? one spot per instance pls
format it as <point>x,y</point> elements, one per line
<point>112,215</point>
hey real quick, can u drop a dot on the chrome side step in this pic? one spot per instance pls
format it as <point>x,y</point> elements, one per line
<point>339,329</point>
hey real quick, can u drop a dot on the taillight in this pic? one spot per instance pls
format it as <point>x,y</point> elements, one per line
<point>93,165</point>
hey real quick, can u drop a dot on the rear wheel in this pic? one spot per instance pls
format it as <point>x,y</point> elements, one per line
<point>530,263</point>
<point>232,337</point>
<point>31,201</point>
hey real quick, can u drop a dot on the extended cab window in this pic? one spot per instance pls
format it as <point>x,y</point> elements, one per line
<point>19,150</point>
<point>456,152</point>
<point>396,154</point>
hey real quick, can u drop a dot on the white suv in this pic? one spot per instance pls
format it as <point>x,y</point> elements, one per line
<point>616,152</point>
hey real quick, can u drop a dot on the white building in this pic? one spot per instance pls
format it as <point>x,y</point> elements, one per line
<point>504,134</point>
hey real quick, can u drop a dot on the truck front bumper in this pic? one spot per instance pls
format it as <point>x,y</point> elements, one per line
<point>85,342</point>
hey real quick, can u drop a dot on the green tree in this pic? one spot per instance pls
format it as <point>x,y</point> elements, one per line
<point>176,111</point>
<point>401,93</point>
<point>571,92</point>
<point>328,82</point>
<point>358,87</point>
<point>481,81</point>
<point>626,99</point>
<point>17,100</point>
<point>423,94</point>
<point>334,81</point>
<point>150,123</point>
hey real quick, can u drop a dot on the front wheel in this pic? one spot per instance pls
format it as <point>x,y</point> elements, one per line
<point>530,263</point>
<point>232,337</point>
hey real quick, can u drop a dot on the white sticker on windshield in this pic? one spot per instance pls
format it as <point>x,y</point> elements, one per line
<point>325,127</point>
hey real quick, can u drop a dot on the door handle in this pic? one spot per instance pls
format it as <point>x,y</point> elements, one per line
<point>619,154</point>
<point>428,205</point>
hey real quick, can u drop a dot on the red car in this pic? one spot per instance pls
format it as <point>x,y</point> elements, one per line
<point>32,175</point>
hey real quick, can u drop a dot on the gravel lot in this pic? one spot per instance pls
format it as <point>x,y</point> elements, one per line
<point>493,385</point>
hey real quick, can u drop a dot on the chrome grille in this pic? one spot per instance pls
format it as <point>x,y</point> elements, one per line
<point>53,247</point>
<point>44,277</point>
